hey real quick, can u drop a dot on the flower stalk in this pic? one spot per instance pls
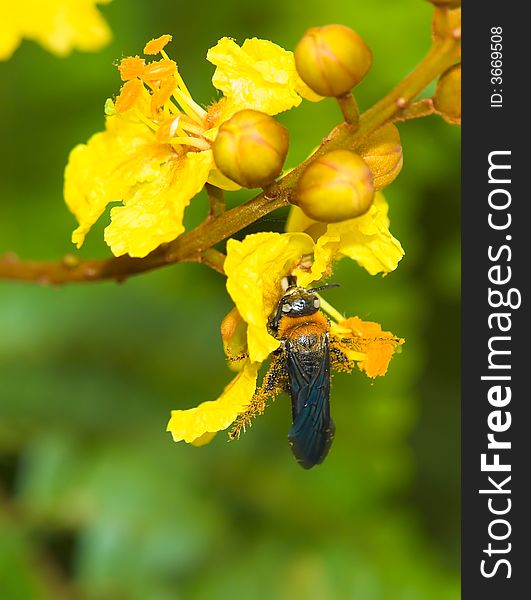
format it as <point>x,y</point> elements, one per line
<point>196,245</point>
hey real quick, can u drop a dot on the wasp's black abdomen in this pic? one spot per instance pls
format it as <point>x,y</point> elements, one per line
<point>308,366</point>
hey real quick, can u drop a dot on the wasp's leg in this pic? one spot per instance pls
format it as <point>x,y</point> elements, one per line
<point>339,361</point>
<point>274,382</point>
<point>358,343</point>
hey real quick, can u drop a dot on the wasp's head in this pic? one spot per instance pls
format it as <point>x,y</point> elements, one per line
<point>296,302</point>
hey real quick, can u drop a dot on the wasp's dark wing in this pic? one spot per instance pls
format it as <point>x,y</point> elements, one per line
<point>312,432</point>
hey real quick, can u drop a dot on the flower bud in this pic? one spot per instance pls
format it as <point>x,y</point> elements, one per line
<point>447,99</point>
<point>332,59</point>
<point>382,152</point>
<point>251,148</point>
<point>335,187</point>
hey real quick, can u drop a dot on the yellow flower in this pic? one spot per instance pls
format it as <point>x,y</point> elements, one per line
<point>155,153</point>
<point>254,269</point>
<point>58,25</point>
<point>259,75</point>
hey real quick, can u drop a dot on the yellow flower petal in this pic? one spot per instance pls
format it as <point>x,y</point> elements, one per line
<point>58,25</point>
<point>209,417</point>
<point>354,336</point>
<point>366,239</point>
<point>260,75</point>
<point>125,163</point>
<point>153,214</point>
<point>254,269</point>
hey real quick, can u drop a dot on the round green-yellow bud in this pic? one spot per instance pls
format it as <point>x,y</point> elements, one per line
<point>335,187</point>
<point>332,59</point>
<point>447,99</point>
<point>251,148</point>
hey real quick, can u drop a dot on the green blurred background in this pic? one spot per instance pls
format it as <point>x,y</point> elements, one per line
<point>96,501</point>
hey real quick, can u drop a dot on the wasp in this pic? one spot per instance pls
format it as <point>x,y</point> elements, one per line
<point>304,357</point>
<point>301,367</point>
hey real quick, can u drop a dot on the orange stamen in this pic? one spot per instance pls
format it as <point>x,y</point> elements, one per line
<point>168,129</point>
<point>162,94</point>
<point>156,45</point>
<point>129,94</point>
<point>159,70</point>
<point>131,67</point>
<point>377,345</point>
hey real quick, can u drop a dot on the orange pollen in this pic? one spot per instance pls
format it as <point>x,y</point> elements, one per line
<point>214,113</point>
<point>131,67</point>
<point>128,96</point>
<point>156,45</point>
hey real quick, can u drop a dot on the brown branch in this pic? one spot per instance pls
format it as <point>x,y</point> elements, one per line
<point>194,246</point>
<point>422,108</point>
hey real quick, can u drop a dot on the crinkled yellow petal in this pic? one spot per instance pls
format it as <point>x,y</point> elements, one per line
<point>58,25</point>
<point>104,169</point>
<point>259,75</point>
<point>191,425</point>
<point>125,163</point>
<point>254,269</point>
<point>366,239</point>
<point>154,213</point>
<point>354,336</point>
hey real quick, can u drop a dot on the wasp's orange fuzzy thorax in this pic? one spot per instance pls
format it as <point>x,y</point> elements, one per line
<point>316,323</point>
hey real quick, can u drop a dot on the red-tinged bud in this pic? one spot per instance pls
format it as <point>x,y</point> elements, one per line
<point>332,59</point>
<point>251,148</point>
<point>335,187</point>
<point>447,99</point>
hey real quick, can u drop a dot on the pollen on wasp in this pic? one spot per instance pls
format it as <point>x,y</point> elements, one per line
<point>272,385</point>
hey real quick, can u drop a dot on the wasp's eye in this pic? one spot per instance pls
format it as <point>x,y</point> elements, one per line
<point>316,303</point>
<point>286,308</point>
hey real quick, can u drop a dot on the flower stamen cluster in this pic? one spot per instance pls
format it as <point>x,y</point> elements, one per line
<point>155,93</point>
